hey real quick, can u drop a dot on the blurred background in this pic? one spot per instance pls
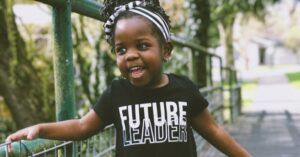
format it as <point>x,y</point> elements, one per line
<point>259,38</point>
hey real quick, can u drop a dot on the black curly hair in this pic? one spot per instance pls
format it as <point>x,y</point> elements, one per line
<point>152,5</point>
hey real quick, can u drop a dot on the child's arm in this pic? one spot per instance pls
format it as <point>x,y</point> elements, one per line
<point>205,125</point>
<point>65,130</point>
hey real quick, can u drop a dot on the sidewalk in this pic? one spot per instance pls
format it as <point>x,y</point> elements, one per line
<point>275,94</point>
<point>270,127</point>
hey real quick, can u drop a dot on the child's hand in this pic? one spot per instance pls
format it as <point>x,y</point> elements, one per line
<point>29,133</point>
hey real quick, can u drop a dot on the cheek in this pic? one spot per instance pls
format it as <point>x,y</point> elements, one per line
<point>120,64</point>
<point>117,61</point>
<point>155,61</point>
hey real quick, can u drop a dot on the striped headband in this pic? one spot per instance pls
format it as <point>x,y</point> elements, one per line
<point>137,7</point>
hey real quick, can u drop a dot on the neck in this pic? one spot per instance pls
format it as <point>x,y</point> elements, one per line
<point>160,82</point>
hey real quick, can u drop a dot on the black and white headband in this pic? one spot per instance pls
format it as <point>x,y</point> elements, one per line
<point>137,7</point>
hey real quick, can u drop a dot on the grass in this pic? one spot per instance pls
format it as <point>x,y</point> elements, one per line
<point>294,79</point>
<point>248,91</point>
<point>248,88</point>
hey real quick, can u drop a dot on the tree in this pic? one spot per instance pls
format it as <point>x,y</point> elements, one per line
<point>200,10</point>
<point>26,87</point>
<point>94,63</point>
<point>224,13</point>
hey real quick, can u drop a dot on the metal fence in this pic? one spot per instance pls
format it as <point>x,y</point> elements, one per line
<point>100,145</point>
<point>235,101</point>
<point>216,106</point>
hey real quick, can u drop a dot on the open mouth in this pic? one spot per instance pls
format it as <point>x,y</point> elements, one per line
<point>136,71</point>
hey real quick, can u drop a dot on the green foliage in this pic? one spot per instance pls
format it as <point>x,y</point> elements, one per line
<point>178,15</point>
<point>23,1</point>
<point>294,76</point>
<point>95,65</point>
<point>222,11</point>
<point>248,89</point>
<point>26,85</point>
<point>180,62</point>
<point>292,38</point>
<point>6,123</point>
<point>294,79</point>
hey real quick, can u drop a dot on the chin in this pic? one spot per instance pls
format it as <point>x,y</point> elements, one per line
<point>136,84</point>
<point>140,83</point>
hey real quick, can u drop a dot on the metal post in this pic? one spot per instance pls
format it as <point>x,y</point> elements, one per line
<point>63,62</point>
<point>63,65</point>
<point>209,70</point>
<point>231,104</point>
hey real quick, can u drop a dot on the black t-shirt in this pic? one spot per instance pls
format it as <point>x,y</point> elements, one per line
<point>152,122</point>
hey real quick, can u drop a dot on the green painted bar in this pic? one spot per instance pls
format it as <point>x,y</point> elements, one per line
<point>63,65</point>
<point>63,62</point>
<point>196,48</point>
<point>88,8</point>
<point>24,148</point>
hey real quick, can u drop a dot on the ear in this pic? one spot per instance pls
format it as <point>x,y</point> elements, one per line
<point>167,50</point>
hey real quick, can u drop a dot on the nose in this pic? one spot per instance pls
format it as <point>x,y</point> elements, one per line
<point>132,55</point>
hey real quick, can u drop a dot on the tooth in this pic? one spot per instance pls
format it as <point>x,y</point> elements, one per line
<point>134,68</point>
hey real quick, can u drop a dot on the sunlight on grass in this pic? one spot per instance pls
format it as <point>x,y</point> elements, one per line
<point>226,104</point>
<point>248,91</point>
<point>248,88</point>
<point>294,79</point>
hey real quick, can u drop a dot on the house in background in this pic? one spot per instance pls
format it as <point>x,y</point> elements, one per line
<point>273,52</point>
<point>260,51</point>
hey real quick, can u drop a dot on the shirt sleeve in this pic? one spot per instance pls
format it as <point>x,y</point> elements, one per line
<point>199,103</point>
<point>104,107</point>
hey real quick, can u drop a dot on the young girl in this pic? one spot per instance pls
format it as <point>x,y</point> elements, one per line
<point>153,112</point>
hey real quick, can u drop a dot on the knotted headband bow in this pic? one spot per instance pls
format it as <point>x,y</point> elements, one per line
<point>138,8</point>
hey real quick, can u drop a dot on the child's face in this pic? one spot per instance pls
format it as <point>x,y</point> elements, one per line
<point>139,53</point>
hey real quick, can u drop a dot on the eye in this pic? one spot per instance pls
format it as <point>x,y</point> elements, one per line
<point>121,50</point>
<point>143,46</point>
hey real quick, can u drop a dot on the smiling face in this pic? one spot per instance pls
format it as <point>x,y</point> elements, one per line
<point>140,53</point>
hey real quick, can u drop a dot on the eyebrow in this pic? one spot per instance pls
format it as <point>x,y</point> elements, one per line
<point>119,43</point>
<point>142,39</point>
<point>136,40</point>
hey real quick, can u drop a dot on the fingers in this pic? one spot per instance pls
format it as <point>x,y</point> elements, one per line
<point>31,135</point>
<point>17,136</point>
<point>8,141</point>
<point>33,132</point>
<point>27,133</point>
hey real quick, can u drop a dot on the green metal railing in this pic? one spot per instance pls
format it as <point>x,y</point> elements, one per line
<point>63,62</point>
<point>89,8</point>
<point>103,143</point>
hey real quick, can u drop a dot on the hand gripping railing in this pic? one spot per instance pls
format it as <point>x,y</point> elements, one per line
<point>102,144</point>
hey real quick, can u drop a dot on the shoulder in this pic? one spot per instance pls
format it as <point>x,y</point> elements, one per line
<point>181,81</point>
<point>117,86</point>
<point>119,83</point>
